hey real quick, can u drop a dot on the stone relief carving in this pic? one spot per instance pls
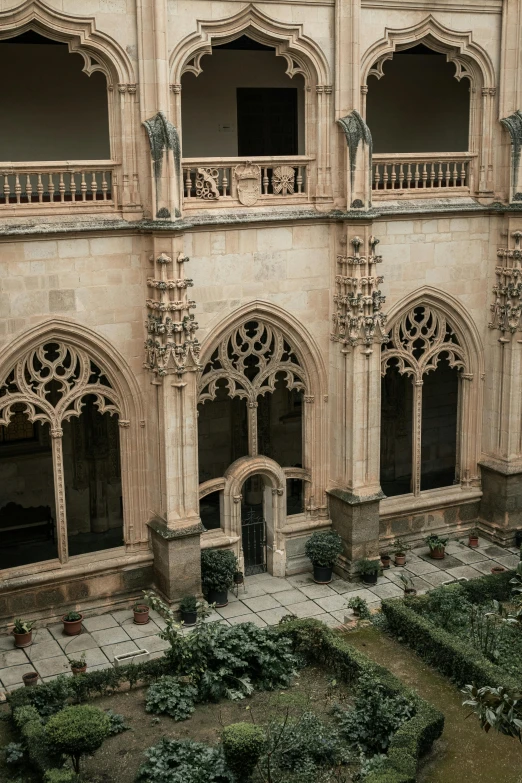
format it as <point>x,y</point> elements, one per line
<point>283,180</point>
<point>356,132</point>
<point>171,345</point>
<point>358,299</point>
<point>248,183</point>
<point>206,183</point>
<point>507,306</point>
<point>513,124</point>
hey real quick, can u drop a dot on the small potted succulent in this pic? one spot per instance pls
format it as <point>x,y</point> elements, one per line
<point>30,679</point>
<point>407,583</point>
<point>437,546</point>
<point>369,571</point>
<point>189,610</point>
<point>385,560</point>
<point>323,549</point>
<point>473,539</point>
<point>359,608</point>
<point>23,632</point>
<point>218,567</point>
<point>72,623</point>
<point>78,665</point>
<point>141,613</point>
<point>400,548</point>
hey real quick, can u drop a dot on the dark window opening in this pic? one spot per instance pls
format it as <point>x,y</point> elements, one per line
<point>396,433</point>
<point>280,424</point>
<point>294,496</point>
<point>210,511</point>
<point>266,121</point>
<point>222,433</point>
<point>439,427</point>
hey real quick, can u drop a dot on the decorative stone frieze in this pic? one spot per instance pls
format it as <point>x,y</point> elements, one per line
<point>359,318</point>
<point>507,307</point>
<point>171,345</point>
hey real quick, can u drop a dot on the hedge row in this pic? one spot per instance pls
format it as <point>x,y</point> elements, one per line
<point>455,658</point>
<point>319,644</point>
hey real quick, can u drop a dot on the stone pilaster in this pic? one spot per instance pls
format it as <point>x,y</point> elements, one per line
<point>172,356</point>
<point>359,330</point>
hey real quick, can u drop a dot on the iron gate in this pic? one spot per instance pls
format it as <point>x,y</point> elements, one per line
<point>253,535</point>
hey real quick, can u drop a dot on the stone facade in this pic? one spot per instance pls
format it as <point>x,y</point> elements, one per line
<point>147,265</point>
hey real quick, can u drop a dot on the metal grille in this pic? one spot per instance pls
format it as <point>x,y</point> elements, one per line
<point>253,531</point>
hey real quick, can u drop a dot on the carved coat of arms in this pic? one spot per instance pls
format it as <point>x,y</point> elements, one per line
<point>248,178</point>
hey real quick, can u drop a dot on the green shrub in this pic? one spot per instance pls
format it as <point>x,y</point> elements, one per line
<point>117,723</point>
<point>59,776</point>
<point>23,715</point>
<point>184,761</point>
<point>218,567</point>
<point>76,731</point>
<point>14,753</point>
<point>324,547</point>
<point>169,696</point>
<point>243,744</point>
<point>305,745</point>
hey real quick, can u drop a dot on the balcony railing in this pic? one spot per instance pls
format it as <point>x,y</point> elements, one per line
<point>417,175</point>
<point>30,186</point>
<point>225,182</point>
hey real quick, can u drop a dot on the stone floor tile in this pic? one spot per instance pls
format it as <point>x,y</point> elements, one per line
<point>421,585</point>
<point>276,587</point>
<point>110,636</point>
<point>13,657</point>
<point>160,623</point>
<point>468,556</point>
<point>154,614</point>
<point>333,603</point>
<point>301,579</point>
<point>366,595</point>
<point>329,620</point>
<point>317,591</point>
<point>99,623</point>
<point>7,642</point>
<point>233,610</point>
<point>341,586</point>
<point>13,675</point>
<point>232,597</point>
<point>141,631</point>
<point>339,616</point>
<point>76,644</point>
<point>153,644</point>
<point>305,609</point>
<point>262,603</point>
<point>101,666</point>
<point>514,550</point>
<point>58,664</point>
<point>213,617</point>
<point>56,631</point>
<point>154,655</point>
<point>386,591</point>
<point>438,578</point>
<point>289,597</point>
<point>253,590</point>
<point>494,551</point>
<point>508,561</point>
<point>110,650</point>
<point>456,546</point>
<point>38,652</point>
<point>273,616</point>
<point>41,635</point>
<point>265,577</point>
<point>122,615</point>
<point>249,618</point>
<point>484,566</point>
<point>93,658</point>
<point>420,551</point>
<point>464,572</point>
<point>447,562</point>
<point>421,567</point>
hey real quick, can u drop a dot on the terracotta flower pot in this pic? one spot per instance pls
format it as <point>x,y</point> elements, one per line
<point>473,541</point>
<point>498,569</point>
<point>385,560</point>
<point>410,591</point>
<point>438,552</point>
<point>31,678</point>
<point>78,670</point>
<point>72,627</point>
<point>400,560</point>
<point>141,617</point>
<point>23,639</point>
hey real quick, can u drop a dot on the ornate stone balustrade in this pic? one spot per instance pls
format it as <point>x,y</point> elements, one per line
<point>223,182</point>
<point>436,173</point>
<point>28,187</point>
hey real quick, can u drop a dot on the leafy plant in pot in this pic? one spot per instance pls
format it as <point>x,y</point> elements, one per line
<point>23,632</point>
<point>323,549</point>
<point>141,613</point>
<point>72,623</point>
<point>407,583</point>
<point>473,539</point>
<point>218,567</point>
<point>188,608</point>
<point>359,608</point>
<point>78,665</point>
<point>368,570</point>
<point>437,546</point>
<point>385,560</point>
<point>400,548</point>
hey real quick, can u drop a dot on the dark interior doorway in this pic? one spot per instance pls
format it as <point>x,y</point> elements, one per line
<point>267,121</point>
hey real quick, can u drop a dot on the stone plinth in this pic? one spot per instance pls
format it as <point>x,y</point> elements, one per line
<point>356,519</point>
<point>177,559</point>
<point>501,505</point>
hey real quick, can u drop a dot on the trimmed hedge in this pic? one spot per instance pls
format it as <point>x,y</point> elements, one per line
<point>455,658</point>
<point>319,644</point>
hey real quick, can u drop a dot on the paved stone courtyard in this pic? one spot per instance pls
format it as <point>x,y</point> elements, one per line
<point>264,601</point>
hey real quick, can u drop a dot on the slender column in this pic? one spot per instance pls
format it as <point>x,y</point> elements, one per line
<point>252,428</point>
<point>417,437</point>
<point>59,493</point>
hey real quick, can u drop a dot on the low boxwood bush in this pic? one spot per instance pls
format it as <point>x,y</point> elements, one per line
<point>243,744</point>
<point>170,696</point>
<point>77,731</point>
<point>184,761</point>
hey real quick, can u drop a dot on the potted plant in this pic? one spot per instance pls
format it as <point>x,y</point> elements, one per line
<point>407,583</point>
<point>141,613</point>
<point>323,549</point>
<point>239,578</point>
<point>473,539</point>
<point>369,570</point>
<point>400,547</point>
<point>498,569</point>
<point>23,632</point>
<point>78,665</point>
<point>218,567</point>
<point>359,608</point>
<point>29,679</point>
<point>385,560</point>
<point>437,546</point>
<point>189,609</point>
<point>72,623</point>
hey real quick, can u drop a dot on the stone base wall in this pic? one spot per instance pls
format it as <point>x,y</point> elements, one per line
<point>453,521</point>
<point>501,504</point>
